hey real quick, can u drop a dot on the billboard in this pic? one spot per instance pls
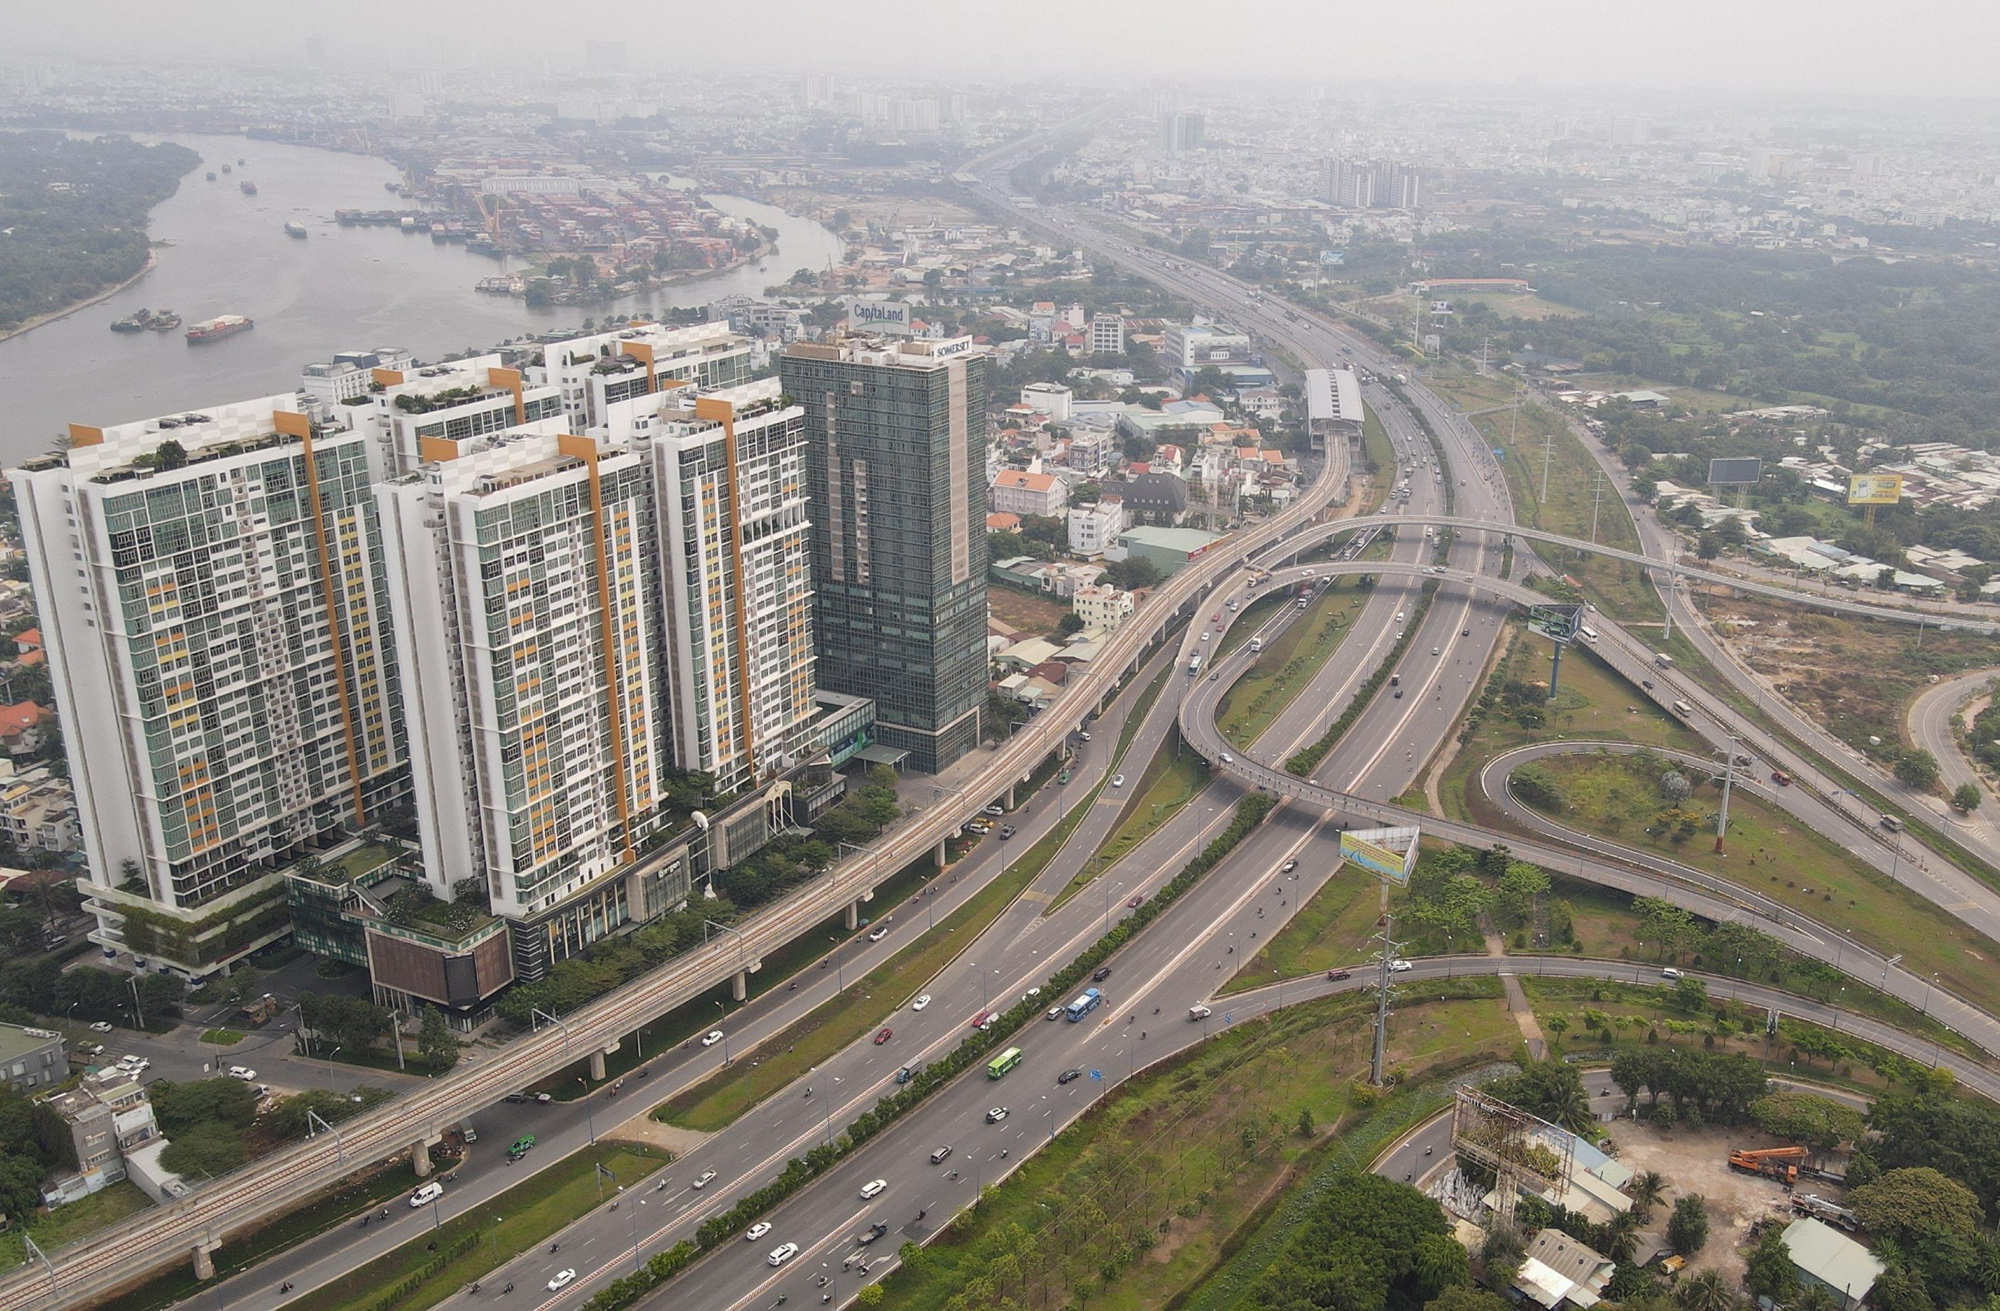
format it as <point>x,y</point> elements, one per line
<point>1375,850</point>
<point>891,316</point>
<point>1558,623</point>
<point>1735,472</point>
<point>1875,489</point>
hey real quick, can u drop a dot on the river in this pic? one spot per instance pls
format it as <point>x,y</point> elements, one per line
<point>222,252</point>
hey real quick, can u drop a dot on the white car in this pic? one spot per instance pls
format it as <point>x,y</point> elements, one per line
<point>101,1026</point>
<point>879,934</point>
<point>873,1188</point>
<point>707,1178</point>
<point>1400,966</point>
<point>756,1231</point>
<point>562,1280</point>
<point>136,1064</point>
<point>243,1072</point>
<point>921,1002</point>
<point>712,1037</point>
<point>783,1254</point>
<point>1118,780</point>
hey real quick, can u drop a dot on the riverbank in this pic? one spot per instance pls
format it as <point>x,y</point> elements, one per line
<point>55,315</point>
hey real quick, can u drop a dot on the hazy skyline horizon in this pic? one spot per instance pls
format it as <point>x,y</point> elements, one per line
<point>1935,50</point>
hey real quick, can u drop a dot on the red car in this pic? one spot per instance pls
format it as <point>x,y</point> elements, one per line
<point>981,1018</point>
<point>1136,900</point>
<point>1335,976</point>
<point>884,1036</point>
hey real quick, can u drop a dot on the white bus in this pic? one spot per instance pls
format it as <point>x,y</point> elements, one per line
<point>1588,634</point>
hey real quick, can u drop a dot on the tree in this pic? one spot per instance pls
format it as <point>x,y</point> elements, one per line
<point>1768,1269</point>
<point>1647,1188</point>
<point>1966,798</point>
<point>1690,994</point>
<point>1687,1228</point>
<point>20,1187</point>
<point>171,454</point>
<point>210,1149</point>
<point>1708,546</point>
<point>1704,1292</point>
<point>1804,1118</point>
<point>180,1107</point>
<point>1917,769</point>
<point>1551,1089</point>
<point>436,1040</point>
<point>1558,1024</point>
<point>1464,1297</point>
<point>1915,1205</point>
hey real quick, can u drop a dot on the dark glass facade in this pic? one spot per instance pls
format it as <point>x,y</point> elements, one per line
<point>896,472</point>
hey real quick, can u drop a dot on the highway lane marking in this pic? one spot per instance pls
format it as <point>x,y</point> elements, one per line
<point>805,1253</point>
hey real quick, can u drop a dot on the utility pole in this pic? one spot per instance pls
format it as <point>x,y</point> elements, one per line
<point>1389,945</point>
<point>1728,778</point>
<point>1596,499</point>
<point>1548,454</point>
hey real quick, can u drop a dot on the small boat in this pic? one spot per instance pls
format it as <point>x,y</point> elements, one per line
<point>295,229</point>
<point>248,187</point>
<point>215,329</point>
<point>130,323</point>
<point>211,175</point>
<point>408,223</point>
<point>164,321</point>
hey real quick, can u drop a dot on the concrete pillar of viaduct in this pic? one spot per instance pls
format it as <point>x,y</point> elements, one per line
<point>739,983</point>
<point>204,1258</point>
<point>597,1064</point>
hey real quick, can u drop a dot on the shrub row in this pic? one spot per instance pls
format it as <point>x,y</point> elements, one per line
<point>429,1270</point>
<point>662,1267</point>
<point>799,1171</point>
<point>1304,762</point>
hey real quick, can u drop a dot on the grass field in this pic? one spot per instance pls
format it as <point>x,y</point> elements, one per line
<point>76,1220</point>
<point>1034,616</point>
<point>1618,797</point>
<point>1287,666</point>
<point>1333,928</point>
<point>517,1221</point>
<point>1592,703</point>
<point>1135,1204</point>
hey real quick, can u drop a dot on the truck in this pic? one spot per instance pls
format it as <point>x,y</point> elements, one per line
<point>1663,660</point>
<point>260,1010</point>
<point>1819,1208</point>
<point>1780,1163</point>
<point>1256,645</point>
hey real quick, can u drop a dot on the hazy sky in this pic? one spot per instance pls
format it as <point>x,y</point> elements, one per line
<point>1873,47</point>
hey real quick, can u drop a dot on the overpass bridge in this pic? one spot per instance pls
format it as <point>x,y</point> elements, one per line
<point>1316,535</point>
<point>1592,860</point>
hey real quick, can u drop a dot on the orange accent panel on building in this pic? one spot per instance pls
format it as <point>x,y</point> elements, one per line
<point>282,418</point>
<point>82,434</point>
<point>511,380</point>
<point>386,377</point>
<point>584,449</point>
<point>436,449</point>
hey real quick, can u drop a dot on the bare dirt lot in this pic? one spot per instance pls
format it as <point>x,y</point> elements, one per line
<point>1035,616</point>
<point>1697,1161</point>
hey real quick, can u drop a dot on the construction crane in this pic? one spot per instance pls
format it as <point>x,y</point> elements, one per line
<point>1780,1163</point>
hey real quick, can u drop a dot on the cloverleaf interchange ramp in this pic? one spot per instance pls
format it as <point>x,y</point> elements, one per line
<point>1592,860</point>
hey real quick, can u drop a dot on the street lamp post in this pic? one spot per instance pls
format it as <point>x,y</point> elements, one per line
<point>724,1008</point>
<point>589,1117</point>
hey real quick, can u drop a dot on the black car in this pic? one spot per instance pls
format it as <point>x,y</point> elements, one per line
<point>1068,1076</point>
<point>875,1231</point>
<point>1103,973</point>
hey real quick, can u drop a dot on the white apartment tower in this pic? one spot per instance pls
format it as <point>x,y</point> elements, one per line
<point>216,618</point>
<point>596,372</point>
<point>521,566</point>
<point>736,569</point>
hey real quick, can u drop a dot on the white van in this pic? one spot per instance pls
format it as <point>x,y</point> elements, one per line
<point>424,1196</point>
<point>1587,633</point>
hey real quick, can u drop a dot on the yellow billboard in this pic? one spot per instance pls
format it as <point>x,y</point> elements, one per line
<point>1874,488</point>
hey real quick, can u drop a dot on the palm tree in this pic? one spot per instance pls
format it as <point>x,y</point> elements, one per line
<point>1572,1112</point>
<point>1705,1292</point>
<point>1647,1188</point>
<point>1623,1236</point>
<point>1813,1297</point>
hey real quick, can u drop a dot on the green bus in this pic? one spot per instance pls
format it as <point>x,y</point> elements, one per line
<point>1005,1061</point>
